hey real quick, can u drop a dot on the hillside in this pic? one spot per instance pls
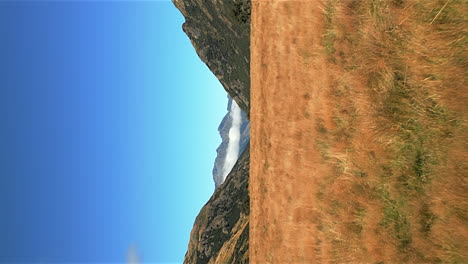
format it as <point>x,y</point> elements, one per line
<point>220,34</point>
<point>358,132</point>
<point>220,233</point>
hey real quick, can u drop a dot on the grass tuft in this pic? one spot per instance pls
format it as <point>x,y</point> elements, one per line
<point>395,219</point>
<point>329,36</point>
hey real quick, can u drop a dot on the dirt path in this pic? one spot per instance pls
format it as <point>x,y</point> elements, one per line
<point>288,79</point>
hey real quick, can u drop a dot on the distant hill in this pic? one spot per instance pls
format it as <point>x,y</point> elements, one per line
<point>224,128</point>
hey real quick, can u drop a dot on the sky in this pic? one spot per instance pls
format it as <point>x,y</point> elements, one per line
<point>108,132</point>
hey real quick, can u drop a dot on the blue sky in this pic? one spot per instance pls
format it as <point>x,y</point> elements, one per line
<point>108,131</point>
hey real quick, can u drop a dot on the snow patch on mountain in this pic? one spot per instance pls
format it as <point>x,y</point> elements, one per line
<point>235,134</point>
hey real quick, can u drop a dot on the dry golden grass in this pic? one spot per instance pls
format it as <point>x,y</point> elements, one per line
<point>383,132</point>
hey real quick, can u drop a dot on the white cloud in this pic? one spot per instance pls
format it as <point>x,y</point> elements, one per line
<point>232,153</point>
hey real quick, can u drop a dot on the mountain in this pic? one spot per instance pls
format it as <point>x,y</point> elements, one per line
<point>219,170</point>
<point>220,233</point>
<point>220,33</point>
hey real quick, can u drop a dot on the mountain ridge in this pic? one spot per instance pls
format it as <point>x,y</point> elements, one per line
<point>220,33</point>
<point>223,129</point>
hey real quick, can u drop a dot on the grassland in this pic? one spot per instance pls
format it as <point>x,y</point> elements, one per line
<point>372,125</point>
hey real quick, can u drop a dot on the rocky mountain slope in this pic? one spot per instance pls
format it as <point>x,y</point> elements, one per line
<point>220,34</point>
<point>221,230</point>
<point>224,127</point>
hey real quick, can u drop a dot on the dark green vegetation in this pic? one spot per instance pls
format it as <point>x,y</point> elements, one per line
<point>241,11</point>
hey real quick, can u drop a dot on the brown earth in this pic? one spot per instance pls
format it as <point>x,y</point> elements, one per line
<point>358,132</point>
